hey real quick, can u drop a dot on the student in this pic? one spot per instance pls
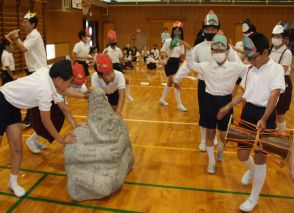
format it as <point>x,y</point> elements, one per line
<point>164,35</point>
<point>247,29</point>
<point>202,53</point>
<point>262,86</point>
<point>145,54</point>
<point>94,55</point>
<point>36,90</point>
<point>135,54</point>
<point>111,81</point>
<point>127,60</point>
<point>116,56</point>
<point>155,52</point>
<point>7,60</point>
<point>220,76</point>
<point>282,55</point>
<point>81,53</point>
<point>79,78</point>
<point>33,48</point>
<point>151,62</point>
<point>174,52</point>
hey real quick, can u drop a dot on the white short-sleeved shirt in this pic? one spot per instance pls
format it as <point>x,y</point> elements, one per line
<point>35,55</point>
<point>286,58</point>
<point>36,90</point>
<point>151,60</point>
<point>114,54</point>
<point>7,60</point>
<point>156,53</point>
<point>202,53</point>
<point>259,83</point>
<point>176,52</point>
<point>219,80</point>
<point>118,83</point>
<point>82,49</point>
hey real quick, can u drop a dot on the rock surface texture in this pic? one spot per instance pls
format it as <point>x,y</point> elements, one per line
<point>99,162</point>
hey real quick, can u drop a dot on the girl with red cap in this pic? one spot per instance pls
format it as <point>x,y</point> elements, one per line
<point>111,81</point>
<point>173,51</point>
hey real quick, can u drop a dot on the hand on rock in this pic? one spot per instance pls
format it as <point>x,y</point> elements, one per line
<point>69,139</point>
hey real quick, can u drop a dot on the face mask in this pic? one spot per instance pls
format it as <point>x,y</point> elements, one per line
<point>219,57</point>
<point>209,36</point>
<point>277,41</point>
<point>113,44</point>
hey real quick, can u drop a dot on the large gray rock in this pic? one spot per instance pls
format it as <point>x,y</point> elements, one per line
<point>99,162</point>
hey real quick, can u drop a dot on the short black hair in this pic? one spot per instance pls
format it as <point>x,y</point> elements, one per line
<point>92,49</point>
<point>182,32</point>
<point>34,20</point>
<point>3,44</point>
<point>165,28</point>
<point>81,34</point>
<point>62,69</point>
<point>260,41</point>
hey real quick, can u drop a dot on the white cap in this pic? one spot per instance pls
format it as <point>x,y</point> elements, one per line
<point>245,27</point>
<point>278,29</point>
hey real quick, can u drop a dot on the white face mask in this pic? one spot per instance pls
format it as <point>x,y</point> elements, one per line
<point>219,57</point>
<point>277,41</point>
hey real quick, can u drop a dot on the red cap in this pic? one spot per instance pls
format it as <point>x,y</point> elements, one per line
<point>178,24</point>
<point>79,76</point>
<point>104,64</point>
<point>111,35</point>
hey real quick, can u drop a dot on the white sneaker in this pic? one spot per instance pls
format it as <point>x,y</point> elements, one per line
<point>17,189</point>
<point>220,155</point>
<point>40,146</point>
<point>33,147</point>
<point>163,102</point>
<point>211,168</point>
<point>247,177</point>
<point>182,108</point>
<point>202,147</point>
<point>130,98</point>
<point>248,205</point>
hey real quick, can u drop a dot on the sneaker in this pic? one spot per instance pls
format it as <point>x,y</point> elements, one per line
<point>130,98</point>
<point>163,102</point>
<point>182,108</point>
<point>248,205</point>
<point>17,189</point>
<point>40,145</point>
<point>220,155</point>
<point>26,122</point>
<point>247,177</point>
<point>33,147</point>
<point>202,147</point>
<point>211,169</point>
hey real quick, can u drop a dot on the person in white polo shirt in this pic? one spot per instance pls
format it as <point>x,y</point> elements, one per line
<point>262,86</point>
<point>33,48</point>
<point>7,60</point>
<point>220,76</point>
<point>36,90</point>
<point>116,56</point>
<point>282,55</point>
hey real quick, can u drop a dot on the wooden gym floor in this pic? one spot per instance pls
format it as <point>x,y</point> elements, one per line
<point>169,174</point>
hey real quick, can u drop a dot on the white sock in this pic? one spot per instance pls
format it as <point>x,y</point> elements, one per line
<point>220,146</point>
<point>258,181</point>
<point>210,152</point>
<point>13,179</point>
<point>165,92</point>
<point>177,94</point>
<point>203,135</point>
<point>249,163</point>
<point>33,137</point>
<point>128,92</point>
<point>282,126</point>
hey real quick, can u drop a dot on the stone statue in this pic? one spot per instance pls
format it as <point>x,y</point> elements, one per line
<point>99,162</point>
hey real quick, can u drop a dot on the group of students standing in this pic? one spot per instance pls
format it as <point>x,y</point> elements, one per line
<point>263,72</point>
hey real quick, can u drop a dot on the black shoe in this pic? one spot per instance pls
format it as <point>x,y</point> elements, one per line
<point>26,122</point>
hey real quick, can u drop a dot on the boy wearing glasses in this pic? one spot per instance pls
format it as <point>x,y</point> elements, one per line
<point>262,86</point>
